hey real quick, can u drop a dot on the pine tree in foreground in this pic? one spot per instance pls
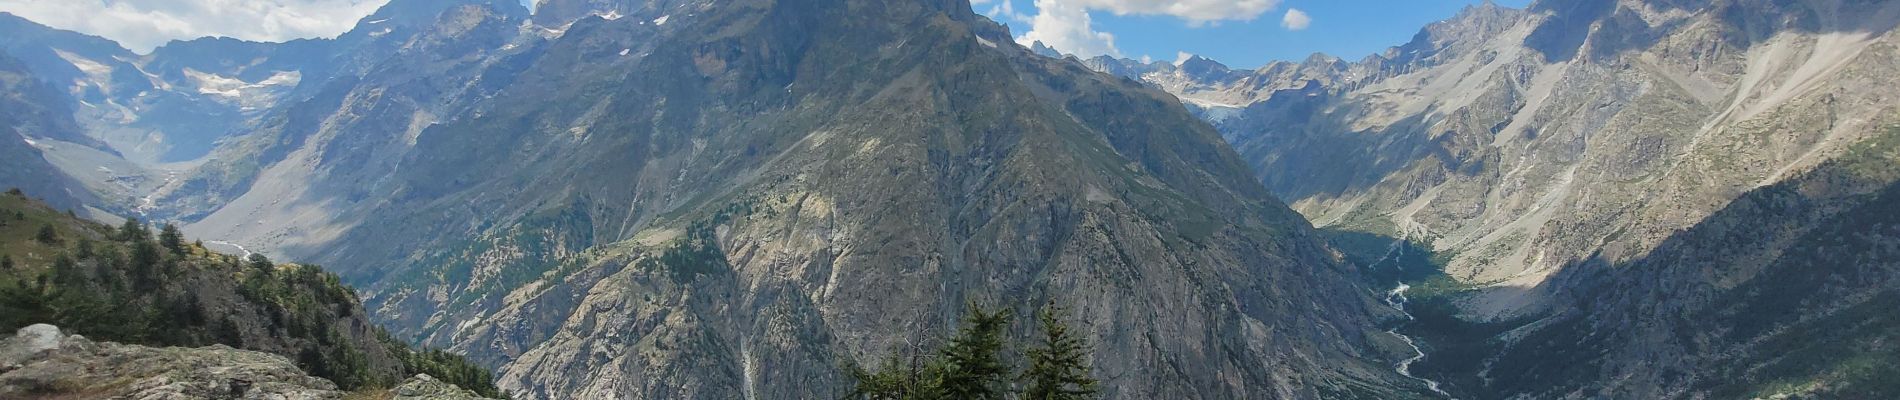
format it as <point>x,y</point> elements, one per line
<point>1058,367</point>
<point>971,365</point>
<point>918,377</point>
<point>976,370</point>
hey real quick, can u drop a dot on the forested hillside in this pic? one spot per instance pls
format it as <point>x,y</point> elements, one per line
<point>131,285</point>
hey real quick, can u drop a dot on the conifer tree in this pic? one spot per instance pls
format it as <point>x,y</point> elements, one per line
<point>975,368</point>
<point>134,231</point>
<point>47,235</point>
<point>146,258</point>
<point>84,249</point>
<point>261,263</point>
<point>65,273</point>
<point>172,239</point>
<point>917,378</point>
<point>227,333</point>
<point>1058,367</point>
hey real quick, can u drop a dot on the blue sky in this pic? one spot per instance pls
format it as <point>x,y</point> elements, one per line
<point>1349,29</point>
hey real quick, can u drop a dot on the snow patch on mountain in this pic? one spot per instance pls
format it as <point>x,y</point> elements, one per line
<point>239,92</point>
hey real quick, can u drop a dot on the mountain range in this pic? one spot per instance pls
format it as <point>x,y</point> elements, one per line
<point>738,199</point>
<point>750,223</point>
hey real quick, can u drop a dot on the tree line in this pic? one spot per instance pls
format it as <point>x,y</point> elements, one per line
<point>971,365</point>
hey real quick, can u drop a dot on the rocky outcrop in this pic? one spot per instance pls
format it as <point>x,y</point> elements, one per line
<point>41,362</point>
<point>425,387</point>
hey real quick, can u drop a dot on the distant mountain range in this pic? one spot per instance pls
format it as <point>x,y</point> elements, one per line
<point>1596,175</point>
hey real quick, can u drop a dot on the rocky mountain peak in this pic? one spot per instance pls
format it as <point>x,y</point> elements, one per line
<point>419,13</point>
<point>556,13</point>
<point>1044,50</point>
<point>1322,61</point>
<point>1471,27</point>
<point>1202,69</point>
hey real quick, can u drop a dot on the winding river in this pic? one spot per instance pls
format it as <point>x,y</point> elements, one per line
<point>1396,299</point>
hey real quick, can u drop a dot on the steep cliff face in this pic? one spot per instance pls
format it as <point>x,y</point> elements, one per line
<point>1516,143</point>
<point>688,199</point>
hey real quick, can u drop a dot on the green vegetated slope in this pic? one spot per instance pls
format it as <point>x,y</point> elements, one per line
<point>128,284</point>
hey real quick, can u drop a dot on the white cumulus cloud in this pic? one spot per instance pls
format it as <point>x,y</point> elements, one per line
<point>1194,11</point>
<point>1000,10</point>
<point>1182,57</point>
<point>1296,20</point>
<point>142,25</point>
<point>1066,25</point>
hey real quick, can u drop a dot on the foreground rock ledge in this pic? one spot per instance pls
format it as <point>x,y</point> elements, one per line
<point>40,361</point>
